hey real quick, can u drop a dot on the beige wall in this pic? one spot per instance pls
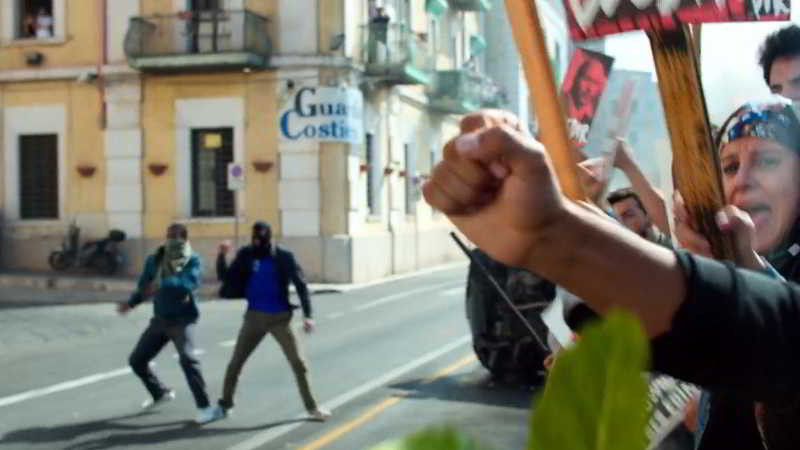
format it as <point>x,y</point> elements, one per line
<point>160,96</point>
<point>83,140</point>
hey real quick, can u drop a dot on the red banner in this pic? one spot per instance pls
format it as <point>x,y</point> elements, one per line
<point>584,83</point>
<point>594,18</point>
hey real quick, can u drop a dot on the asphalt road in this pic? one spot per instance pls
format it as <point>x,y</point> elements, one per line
<point>388,359</point>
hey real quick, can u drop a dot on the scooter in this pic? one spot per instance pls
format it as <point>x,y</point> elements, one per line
<point>102,256</point>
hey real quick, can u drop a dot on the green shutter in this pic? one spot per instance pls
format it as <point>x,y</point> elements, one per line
<point>436,7</point>
<point>477,44</point>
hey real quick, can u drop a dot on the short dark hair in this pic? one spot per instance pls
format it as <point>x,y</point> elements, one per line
<point>624,194</point>
<point>181,229</point>
<point>260,226</point>
<point>780,44</point>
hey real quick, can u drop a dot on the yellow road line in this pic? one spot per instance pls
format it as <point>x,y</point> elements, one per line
<point>377,409</point>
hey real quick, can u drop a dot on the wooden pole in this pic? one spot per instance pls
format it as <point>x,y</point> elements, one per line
<point>530,41</point>
<point>695,161</point>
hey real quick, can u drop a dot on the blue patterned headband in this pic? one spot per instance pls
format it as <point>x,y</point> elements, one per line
<point>775,120</point>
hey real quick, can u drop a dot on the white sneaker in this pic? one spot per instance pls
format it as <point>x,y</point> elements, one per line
<point>166,397</point>
<point>209,414</point>
<point>320,414</point>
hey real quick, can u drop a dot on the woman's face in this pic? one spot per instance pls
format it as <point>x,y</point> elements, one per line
<point>760,176</point>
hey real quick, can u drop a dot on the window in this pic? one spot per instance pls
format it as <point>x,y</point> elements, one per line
<point>34,19</point>
<point>38,176</point>
<point>372,201</point>
<point>212,151</point>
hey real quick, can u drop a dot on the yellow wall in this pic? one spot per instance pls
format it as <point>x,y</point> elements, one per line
<point>158,122</point>
<point>83,140</point>
<point>331,23</point>
<point>83,45</point>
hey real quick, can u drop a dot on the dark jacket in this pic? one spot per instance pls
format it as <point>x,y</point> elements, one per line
<point>236,277</point>
<point>174,301</point>
<point>737,335</point>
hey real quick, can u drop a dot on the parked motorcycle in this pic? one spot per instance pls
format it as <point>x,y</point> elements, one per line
<point>102,256</point>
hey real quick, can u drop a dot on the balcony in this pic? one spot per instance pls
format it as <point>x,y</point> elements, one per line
<point>198,40</point>
<point>471,5</point>
<point>395,55</point>
<point>463,91</point>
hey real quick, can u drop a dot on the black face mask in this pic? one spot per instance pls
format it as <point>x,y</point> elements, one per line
<point>261,247</point>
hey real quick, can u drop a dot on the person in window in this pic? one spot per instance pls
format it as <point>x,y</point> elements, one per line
<point>723,328</point>
<point>44,24</point>
<point>379,31</point>
<point>29,26</point>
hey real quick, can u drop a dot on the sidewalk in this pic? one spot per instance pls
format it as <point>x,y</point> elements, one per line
<point>42,289</point>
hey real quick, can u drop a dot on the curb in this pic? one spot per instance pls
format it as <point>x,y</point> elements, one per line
<point>44,289</point>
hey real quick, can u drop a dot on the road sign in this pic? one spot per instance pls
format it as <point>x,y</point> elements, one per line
<point>235,176</point>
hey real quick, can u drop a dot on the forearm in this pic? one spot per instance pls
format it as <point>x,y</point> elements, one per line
<point>222,267</point>
<point>652,200</point>
<point>609,267</point>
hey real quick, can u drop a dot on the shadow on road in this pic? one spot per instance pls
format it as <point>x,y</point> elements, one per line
<point>114,432</point>
<point>475,387</point>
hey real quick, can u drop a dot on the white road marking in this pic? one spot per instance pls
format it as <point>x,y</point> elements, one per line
<point>230,343</point>
<point>196,352</point>
<point>394,297</point>
<point>275,432</point>
<point>35,393</point>
<point>335,315</point>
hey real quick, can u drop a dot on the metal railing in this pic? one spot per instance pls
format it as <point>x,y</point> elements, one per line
<point>197,32</point>
<point>471,5</point>
<point>390,46</point>
<point>459,91</point>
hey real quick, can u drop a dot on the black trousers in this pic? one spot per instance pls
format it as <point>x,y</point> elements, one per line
<point>152,341</point>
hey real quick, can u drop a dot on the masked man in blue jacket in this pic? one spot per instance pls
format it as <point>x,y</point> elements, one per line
<point>261,273</point>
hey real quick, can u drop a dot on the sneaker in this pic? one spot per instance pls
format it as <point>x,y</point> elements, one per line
<point>150,403</point>
<point>319,414</point>
<point>209,414</point>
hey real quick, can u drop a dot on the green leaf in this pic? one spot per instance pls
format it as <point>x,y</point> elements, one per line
<point>432,438</point>
<point>596,396</point>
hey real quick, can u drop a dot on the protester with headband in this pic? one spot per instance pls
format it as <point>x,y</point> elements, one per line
<point>722,328</point>
<point>759,149</point>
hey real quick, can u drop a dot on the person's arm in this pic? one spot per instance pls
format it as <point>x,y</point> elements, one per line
<point>188,279</point>
<point>143,286</point>
<point>652,199</point>
<point>298,279</point>
<point>222,267</point>
<point>232,283</point>
<point>737,329</point>
<point>498,187</point>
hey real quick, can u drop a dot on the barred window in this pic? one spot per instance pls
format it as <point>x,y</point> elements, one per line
<point>212,151</point>
<point>38,176</point>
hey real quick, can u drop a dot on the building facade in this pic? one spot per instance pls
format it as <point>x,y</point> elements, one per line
<point>325,116</point>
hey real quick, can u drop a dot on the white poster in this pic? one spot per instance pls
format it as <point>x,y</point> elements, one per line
<point>323,114</point>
